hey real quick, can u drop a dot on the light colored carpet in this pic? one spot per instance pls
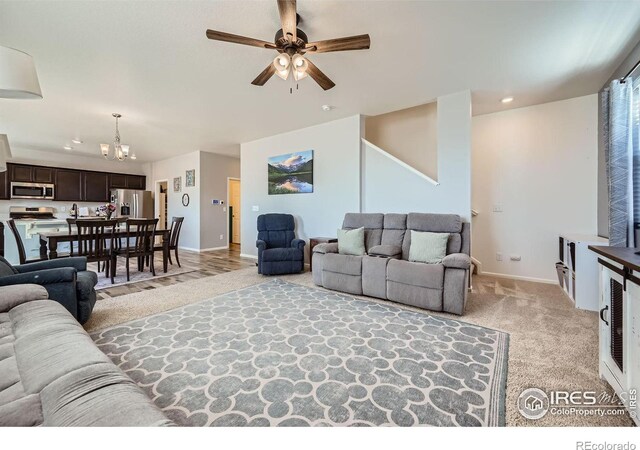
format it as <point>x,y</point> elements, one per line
<point>552,344</point>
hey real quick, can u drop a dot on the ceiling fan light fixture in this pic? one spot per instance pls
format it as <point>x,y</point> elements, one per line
<point>282,64</point>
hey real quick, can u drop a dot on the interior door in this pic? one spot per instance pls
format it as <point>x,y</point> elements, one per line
<point>234,201</point>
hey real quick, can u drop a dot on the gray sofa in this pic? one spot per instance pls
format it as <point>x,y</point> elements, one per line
<point>385,271</point>
<point>52,374</point>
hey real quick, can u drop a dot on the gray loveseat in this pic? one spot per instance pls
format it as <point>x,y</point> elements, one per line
<point>52,374</point>
<point>385,271</point>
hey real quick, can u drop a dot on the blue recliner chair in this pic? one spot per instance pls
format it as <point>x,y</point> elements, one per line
<point>66,280</point>
<point>279,252</point>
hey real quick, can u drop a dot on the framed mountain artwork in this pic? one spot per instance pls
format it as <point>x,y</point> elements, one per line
<point>291,173</point>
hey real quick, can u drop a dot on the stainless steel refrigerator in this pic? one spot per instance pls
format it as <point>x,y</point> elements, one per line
<point>131,203</point>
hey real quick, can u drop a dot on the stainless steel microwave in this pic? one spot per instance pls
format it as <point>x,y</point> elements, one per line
<point>42,191</point>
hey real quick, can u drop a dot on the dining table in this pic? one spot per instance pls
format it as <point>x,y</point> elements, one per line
<point>49,241</point>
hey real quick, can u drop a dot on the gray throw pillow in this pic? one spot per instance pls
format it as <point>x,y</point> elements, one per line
<point>351,242</point>
<point>428,247</point>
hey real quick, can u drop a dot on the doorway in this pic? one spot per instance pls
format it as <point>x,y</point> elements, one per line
<point>162,203</point>
<point>233,200</point>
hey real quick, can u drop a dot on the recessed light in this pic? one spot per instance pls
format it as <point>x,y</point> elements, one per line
<point>68,147</point>
<point>327,107</point>
<point>76,141</point>
<point>507,100</point>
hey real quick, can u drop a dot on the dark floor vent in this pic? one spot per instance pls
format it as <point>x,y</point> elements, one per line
<point>617,321</point>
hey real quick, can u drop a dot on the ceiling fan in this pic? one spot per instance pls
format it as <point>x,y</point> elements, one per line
<point>292,45</point>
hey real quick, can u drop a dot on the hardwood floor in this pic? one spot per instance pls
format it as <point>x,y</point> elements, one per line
<point>204,264</point>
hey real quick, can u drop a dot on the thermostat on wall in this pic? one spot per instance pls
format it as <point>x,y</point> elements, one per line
<point>217,202</point>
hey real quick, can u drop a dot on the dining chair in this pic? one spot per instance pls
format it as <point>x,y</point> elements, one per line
<point>70,223</point>
<point>96,241</point>
<point>174,238</point>
<point>139,244</point>
<point>22,254</point>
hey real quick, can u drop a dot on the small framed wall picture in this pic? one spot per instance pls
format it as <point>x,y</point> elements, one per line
<point>190,178</point>
<point>177,184</point>
<point>185,200</point>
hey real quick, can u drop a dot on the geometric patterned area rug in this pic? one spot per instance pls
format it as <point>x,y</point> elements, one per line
<point>281,354</point>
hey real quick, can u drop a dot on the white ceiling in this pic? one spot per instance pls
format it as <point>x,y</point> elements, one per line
<point>179,92</point>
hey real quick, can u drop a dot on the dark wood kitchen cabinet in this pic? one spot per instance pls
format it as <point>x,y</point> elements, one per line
<point>69,185</point>
<point>123,181</point>
<point>30,174</point>
<point>96,186</point>
<point>19,172</point>
<point>42,174</point>
<point>136,182</point>
<point>4,185</point>
<point>118,181</point>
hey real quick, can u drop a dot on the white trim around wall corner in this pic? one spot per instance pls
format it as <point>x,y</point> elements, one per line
<point>478,265</point>
<point>244,255</point>
<point>400,162</point>
<point>520,278</point>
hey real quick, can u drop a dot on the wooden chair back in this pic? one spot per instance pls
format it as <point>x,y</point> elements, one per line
<point>96,238</point>
<point>22,254</point>
<point>174,236</point>
<point>140,233</point>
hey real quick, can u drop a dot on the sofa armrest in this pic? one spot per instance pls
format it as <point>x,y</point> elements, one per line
<point>78,263</point>
<point>326,248</point>
<point>386,251</point>
<point>457,261</point>
<point>12,296</point>
<point>298,243</point>
<point>261,244</point>
<point>41,277</point>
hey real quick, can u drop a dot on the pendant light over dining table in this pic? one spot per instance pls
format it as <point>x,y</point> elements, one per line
<point>120,151</point>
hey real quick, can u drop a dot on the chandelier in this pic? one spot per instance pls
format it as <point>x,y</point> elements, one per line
<point>120,151</point>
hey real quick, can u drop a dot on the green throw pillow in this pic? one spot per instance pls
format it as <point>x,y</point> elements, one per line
<point>428,247</point>
<point>351,242</point>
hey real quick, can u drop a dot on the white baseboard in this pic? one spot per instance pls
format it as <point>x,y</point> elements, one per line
<point>521,278</point>
<point>224,247</point>
<point>244,255</point>
<point>200,250</point>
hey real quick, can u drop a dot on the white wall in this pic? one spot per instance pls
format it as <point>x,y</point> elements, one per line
<point>215,169</point>
<point>203,222</point>
<point>390,187</point>
<point>168,169</point>
<point>540,165</point>
<point>410,135</point>
<point>336,179</point>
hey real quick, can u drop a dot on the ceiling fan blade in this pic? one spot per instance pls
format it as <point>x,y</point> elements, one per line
<point>319,77</point>
<point>288,18</point>
<point>264,76</point>
<point>360,42</point>
<point>234,38</point>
